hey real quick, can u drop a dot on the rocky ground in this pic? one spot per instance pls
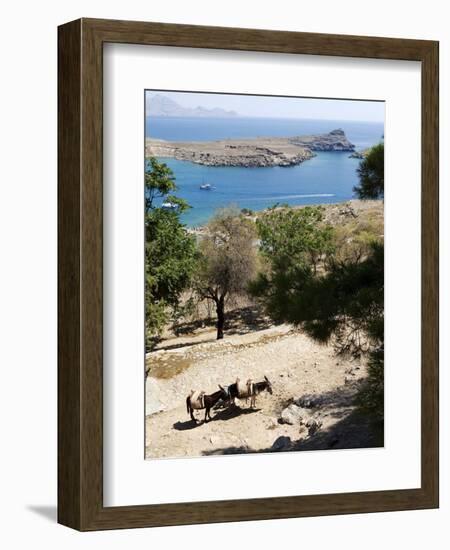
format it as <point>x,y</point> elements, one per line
<point>262,151</point>
<point>312,405</point>
<point>313,401</point>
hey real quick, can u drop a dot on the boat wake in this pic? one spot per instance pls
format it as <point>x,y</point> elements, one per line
<point>310,196</point>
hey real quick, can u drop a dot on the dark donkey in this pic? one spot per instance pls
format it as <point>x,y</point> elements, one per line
<point>199,400</point>
<point>251,389</point>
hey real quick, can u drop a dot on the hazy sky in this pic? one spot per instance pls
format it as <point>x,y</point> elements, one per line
<point>282,107</point>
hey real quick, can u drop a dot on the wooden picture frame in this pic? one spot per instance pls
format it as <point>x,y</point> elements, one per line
<point>80,272</point>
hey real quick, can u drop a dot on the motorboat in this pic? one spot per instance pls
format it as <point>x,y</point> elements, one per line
<point>168,205</point>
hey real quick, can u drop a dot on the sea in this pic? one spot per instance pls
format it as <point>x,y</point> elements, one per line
<point>327,178</point>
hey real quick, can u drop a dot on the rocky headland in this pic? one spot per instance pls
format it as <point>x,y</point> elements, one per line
<point>254,152</point>
<point>359,154</point>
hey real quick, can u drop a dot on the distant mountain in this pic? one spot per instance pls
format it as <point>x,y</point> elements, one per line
<point>161,105</point>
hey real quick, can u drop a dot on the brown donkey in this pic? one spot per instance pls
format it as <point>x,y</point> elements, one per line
<point>249,390</point>
<point>199,400</point>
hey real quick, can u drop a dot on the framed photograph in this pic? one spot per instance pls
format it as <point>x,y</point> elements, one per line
<point>248,274</point>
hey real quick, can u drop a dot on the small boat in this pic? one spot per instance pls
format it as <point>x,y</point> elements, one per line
<point>168,205</point>
<point>206,186</point>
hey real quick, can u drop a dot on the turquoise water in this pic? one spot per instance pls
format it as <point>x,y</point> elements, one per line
<point>327,178</point>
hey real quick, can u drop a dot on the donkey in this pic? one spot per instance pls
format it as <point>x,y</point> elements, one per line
<point>250,389</point>
<point>199,400</point>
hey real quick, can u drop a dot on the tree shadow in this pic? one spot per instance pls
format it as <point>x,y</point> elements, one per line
<point>185,344</point>
<point>239,321</point>
<point>189,327</point>
<point>245,320</point>
<point>354,430</point>
<point>343,396</point>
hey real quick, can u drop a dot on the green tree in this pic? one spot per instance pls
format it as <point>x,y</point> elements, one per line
<point>315,281</point>
<point>371,174</point>
<point>345,302</point>
<point>295,237</point>
<point>170,251</point>
<point>295,244</point>
<point>159,182</point>
<point>227,261</point>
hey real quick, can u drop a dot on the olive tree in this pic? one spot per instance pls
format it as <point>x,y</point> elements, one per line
<point>227,261</point>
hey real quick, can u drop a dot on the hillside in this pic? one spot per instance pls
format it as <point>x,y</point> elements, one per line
<point>313,401</point>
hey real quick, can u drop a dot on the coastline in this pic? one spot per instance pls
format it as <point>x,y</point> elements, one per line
<point>250,152</point>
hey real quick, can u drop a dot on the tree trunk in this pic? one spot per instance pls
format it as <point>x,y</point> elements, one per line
<point>220,309</point>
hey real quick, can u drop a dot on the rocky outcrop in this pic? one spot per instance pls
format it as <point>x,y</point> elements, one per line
<point>333,141</point>
<point>295,414</point>
<point>255,152</point>
<point>282,443</point>
<point>359,154</point>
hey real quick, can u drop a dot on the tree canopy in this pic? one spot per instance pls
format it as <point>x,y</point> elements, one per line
<point>227,260</point>
<point>329,283</point>
<point>160,184</point>
<point>346,302</point>
<point>294,244</point>
<point>371,174</point>
<point>294,237</point>
<point>170,251</point>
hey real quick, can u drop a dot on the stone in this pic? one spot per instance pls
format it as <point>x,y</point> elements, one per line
<point>308,401</point>
<point>293,414</point>
<point>282,443</point>
<point>154,397</point>
<point>313,426</point>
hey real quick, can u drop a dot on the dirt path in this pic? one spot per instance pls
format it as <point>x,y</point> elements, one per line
<point>294,364</point>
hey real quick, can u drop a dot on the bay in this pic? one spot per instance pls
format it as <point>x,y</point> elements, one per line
<point>327,178</point>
